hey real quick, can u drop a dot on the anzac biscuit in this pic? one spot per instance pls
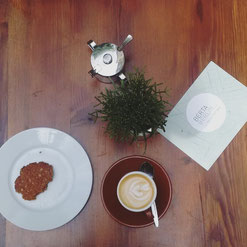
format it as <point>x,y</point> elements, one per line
<point>33,180</point>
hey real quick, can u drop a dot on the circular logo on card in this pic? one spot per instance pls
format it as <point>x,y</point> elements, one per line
<point>206,112</point>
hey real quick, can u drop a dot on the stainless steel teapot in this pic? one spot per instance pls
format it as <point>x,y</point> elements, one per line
<point>108,60</point>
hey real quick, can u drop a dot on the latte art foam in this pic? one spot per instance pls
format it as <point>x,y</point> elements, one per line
<point>136,191</point>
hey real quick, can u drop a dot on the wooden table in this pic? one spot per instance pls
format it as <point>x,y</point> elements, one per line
<point>44,64</point>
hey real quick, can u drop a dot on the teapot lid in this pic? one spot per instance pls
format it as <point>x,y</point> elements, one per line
<point>107,60</point>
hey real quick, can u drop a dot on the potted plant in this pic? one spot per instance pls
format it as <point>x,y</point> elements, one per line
<point>132,109</point>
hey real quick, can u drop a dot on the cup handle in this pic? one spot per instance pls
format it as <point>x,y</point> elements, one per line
<point>149,214</point>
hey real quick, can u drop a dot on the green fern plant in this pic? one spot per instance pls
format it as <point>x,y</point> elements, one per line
<point>131,109</point>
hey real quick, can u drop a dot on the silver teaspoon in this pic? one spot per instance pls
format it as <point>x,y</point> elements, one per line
<point>148,169</point>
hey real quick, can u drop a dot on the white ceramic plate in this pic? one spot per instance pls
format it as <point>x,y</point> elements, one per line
<point>65,196</point>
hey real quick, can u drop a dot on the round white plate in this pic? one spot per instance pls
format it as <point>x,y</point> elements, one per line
<point>65,196</point>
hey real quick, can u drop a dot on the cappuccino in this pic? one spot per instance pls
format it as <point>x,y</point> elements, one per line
<point>136,191</point>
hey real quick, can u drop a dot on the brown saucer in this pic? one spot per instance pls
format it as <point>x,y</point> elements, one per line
<point>109,191</point>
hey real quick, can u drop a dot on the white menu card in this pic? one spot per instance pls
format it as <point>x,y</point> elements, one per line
<point>208,116</point>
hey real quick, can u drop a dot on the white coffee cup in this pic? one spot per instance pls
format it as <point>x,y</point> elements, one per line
<point>136,191</point>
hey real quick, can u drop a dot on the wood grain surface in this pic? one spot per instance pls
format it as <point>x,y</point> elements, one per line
<point>44,81</point>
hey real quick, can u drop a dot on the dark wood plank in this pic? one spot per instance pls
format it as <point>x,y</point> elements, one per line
<point>3,93</point>
<point>3,72</point>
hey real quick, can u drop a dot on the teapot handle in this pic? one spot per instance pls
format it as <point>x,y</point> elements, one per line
<point>126,41</point>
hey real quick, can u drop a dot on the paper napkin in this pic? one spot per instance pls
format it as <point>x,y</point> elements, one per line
<point>208,116</point>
